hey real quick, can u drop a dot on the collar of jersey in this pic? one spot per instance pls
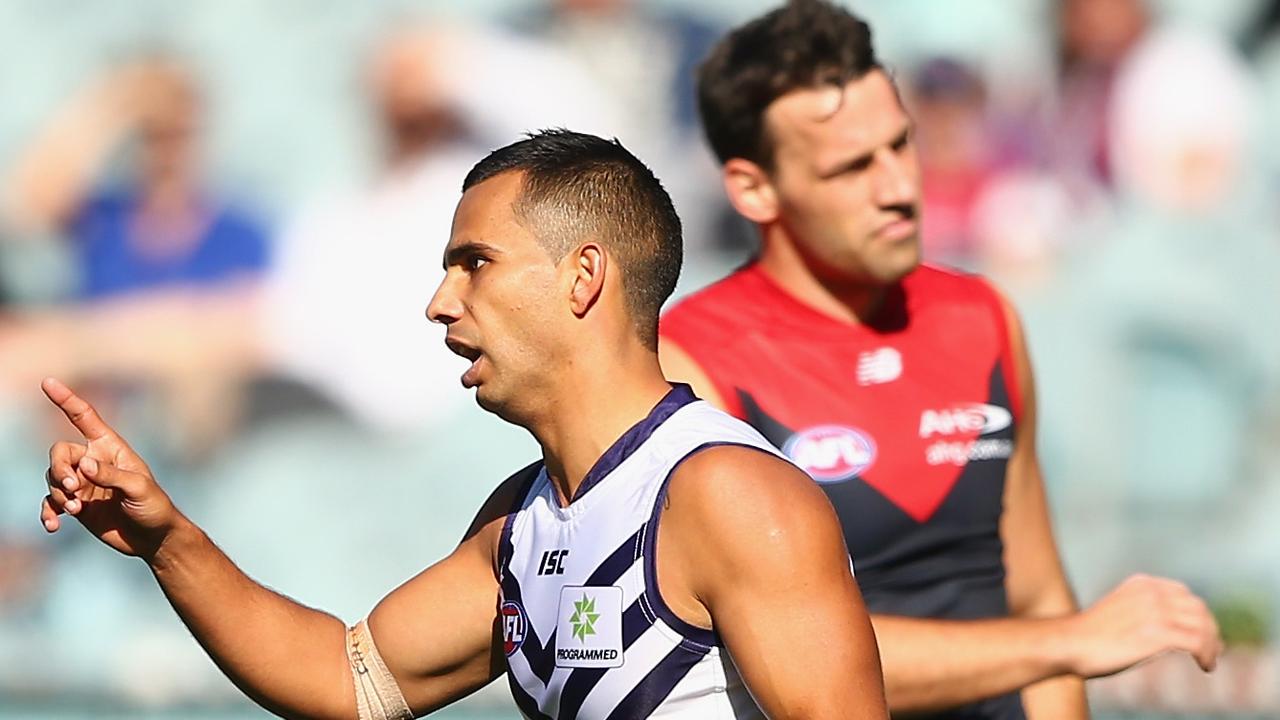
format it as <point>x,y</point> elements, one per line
<point>631,440</point>
<point>799,313</point>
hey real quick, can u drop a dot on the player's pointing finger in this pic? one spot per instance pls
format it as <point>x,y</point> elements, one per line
<point>77,409</point>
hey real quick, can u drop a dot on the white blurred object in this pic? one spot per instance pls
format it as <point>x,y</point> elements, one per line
<point>346,302</point>
<point>1020,217</point>
<point>345,307</point>
<point>1183,116</point>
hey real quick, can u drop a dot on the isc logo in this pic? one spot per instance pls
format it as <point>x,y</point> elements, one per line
<point>552,562</point>
<point>831,453</point>
<point>514,627</point>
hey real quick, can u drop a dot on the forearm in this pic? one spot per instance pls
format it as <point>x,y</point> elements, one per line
<point>935,664</point>
<point>288,658</point>
<point>1060,697</point>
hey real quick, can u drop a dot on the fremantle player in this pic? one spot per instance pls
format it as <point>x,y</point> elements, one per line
<point>646,564</point>
<point>903,389</point>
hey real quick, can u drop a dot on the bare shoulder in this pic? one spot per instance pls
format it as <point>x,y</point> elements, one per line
<point>727,499</point>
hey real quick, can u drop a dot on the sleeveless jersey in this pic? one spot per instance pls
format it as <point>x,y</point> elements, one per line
<point>587,633</point>
<point>906,421</point>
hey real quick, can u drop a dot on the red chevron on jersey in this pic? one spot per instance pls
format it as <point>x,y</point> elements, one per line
<point>904,404</point>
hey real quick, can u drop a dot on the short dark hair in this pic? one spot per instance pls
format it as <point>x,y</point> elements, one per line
<point>803,44</point>
<point>578,186</point>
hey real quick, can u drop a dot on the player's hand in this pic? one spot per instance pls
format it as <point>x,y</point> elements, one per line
<point>1142,617</point>
<point>103,483</point>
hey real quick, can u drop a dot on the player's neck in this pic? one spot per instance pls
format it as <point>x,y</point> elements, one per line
<point>847,300</point>
<point>597,407</point>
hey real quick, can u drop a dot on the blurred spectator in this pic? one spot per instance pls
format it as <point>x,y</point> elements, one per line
<point>159,258</point>
<point>345,307</point>
<point>342,308</point>
<point>644,55</point>
<point>644,58</point>
<point>1019,224</point>
<point>160,227</point>
<point>948,103</point>
<point>1094,36</point>
<point>1173,308</point>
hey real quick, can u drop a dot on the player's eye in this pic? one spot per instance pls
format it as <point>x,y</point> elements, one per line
<point>859,165</point>
<point>473,263</point>
<point>902,141</point>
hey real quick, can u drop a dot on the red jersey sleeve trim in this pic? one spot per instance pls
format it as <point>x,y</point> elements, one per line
<point>1008,363</point>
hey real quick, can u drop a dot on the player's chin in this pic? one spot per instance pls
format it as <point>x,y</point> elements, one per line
<point>896,262</point>
<point>492,401</point>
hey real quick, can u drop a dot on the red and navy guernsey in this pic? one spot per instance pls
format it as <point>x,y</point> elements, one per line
<point>907,421</point>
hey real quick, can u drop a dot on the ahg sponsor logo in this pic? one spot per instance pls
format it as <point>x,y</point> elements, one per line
<point>831,453</point>
<point>960,452</point>
<point>964,418</point>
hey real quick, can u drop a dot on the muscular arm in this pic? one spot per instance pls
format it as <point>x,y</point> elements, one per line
<point>288,658</point>
<point>437,632</point>
<point>751,547</point>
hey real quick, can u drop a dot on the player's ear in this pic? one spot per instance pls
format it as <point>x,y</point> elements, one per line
<point>750,190</point>
<point>589,267</point>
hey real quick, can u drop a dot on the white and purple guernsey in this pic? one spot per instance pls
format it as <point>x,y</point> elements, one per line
<point>587,633</point>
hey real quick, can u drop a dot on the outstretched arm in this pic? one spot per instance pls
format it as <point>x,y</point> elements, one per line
<point>750,546</point>
<point>436,632</point>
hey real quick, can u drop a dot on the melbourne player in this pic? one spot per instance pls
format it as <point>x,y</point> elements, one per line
<point>903,389</point>
<point>658,559</point>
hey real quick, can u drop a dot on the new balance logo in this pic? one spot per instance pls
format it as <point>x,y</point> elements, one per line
<point>876,367</point>
<point>552,562</point>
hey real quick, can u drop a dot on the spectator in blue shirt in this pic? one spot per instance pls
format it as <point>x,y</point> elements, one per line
<point>160,227</point>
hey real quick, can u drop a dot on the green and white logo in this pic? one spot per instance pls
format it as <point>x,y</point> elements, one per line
<point>589,627</point>
<point>584,618</point>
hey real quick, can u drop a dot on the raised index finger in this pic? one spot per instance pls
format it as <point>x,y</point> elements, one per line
<point>77,409</point>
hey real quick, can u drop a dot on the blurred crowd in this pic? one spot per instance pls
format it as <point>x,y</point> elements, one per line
<point>223,225</point>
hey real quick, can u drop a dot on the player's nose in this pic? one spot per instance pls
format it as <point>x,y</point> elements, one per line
<point>445,306</point>
<point>896,181</point>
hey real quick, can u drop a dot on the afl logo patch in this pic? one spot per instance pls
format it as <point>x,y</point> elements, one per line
<point>515,627</point>
<point>831,453</point>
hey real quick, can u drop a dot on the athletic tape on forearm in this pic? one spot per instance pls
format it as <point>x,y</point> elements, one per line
<point>378,696</point>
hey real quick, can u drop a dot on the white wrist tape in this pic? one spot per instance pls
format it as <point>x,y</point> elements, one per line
<point>378,696</point>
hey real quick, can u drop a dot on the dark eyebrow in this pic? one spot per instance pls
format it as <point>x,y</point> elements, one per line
<point>865,158</point>
<point>455,255</point>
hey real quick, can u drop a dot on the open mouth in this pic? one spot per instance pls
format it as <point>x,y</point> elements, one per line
<point>470,378</point>
<point>460,348</point>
